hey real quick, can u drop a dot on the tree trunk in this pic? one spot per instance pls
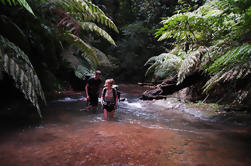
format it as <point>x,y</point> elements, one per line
<point>170,86</point>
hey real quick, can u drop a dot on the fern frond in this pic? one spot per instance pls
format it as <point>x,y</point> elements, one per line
<point>1,65</point>
<point>100,16</point>
<point>73,6</point>
<point>236,55</point>
<point>151,69</point>
<point>183,27</point>
<point>75,26</point>
<point>163,66</point>
<point>84,10</point>
<point>78,13</point>
<point>84,47</point>
<point>190,63</point>
<point>213,53</point>
<point>232,72</point>
<point>200,26</point>
<point>94,28</point>
<point>212,82</point>
<point>23,3</point>
<point>81,71</point>
<point>67,21</point>
<point>16,63</point>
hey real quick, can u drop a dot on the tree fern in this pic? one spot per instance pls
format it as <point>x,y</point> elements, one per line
<point>183,27</point>
<point>236,55</point>
<point>236,72</point>
<point>221,30</point>
<point>163,66</point>
<point>86,11</point>
<point>190,63</point>
<point>20,2</point>
<point>235,64</point>
<point>75,16</point>
<point>200,27</point>
<point>16,63</point>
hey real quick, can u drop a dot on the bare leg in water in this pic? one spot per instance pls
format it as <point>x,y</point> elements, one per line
<point>111,114</point>
<point>105,114</point>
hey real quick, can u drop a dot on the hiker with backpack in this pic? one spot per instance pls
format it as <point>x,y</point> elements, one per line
<point>109,99</point>
<point>92,90</point>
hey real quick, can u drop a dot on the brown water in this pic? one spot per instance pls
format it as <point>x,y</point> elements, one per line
<point>149,133</point>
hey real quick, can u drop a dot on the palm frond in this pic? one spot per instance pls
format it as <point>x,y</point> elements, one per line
<point>17,64</point>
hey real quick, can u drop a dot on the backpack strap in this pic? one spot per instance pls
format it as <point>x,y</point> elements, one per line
<point>104,91</point>
<point>113,93</point>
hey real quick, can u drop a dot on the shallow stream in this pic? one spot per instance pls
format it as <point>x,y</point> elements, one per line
<point>143,133</point>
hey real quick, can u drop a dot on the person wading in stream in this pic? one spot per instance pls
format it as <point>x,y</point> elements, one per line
<point>92,90</point>
<point>109,99</point>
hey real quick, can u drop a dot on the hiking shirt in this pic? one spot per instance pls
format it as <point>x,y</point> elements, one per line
<point>109,96</point>
<point>93,85</point>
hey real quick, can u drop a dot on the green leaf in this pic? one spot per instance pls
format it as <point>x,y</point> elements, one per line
<point>17,64</point>
<point>93,27</point>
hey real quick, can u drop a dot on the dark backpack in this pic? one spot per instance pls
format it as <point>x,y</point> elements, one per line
<point>113,92</point>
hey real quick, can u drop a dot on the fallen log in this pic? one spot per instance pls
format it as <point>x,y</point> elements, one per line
<point>170,86</point>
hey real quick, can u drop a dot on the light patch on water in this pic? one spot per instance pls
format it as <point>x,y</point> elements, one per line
<point>155,127</point>
<point>131,105</point>
<point>69,99</point>
<point>196,113</point>
<point>40,127</point>
<point>168,103</point>
<point>174,105</point>
<point>182,130</point>
<point>99,118</point>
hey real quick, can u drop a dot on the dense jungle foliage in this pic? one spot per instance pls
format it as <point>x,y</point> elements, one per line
<point>138,21</point>
<point>213,40</point>
<point>49,45</point>
<point>48,42</point>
